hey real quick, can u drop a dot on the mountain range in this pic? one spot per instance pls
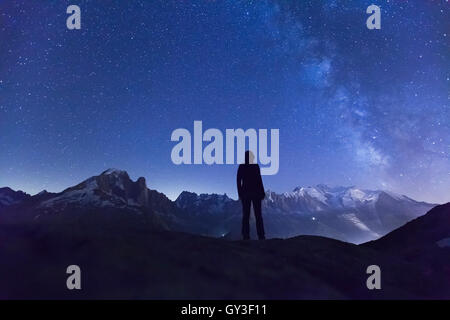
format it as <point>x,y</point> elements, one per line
<point>344,213</point>
<point>132,242</point>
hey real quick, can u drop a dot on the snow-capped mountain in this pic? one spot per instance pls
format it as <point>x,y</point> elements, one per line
<point>345,213</point>
<point>304,200</point>
<point>111,195</point>
<point>112,188</point>
<point>353,214</point>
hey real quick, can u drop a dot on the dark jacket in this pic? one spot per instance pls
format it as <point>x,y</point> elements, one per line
<point>249,182</point>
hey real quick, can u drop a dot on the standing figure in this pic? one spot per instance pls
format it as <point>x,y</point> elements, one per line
<point>250,190</point>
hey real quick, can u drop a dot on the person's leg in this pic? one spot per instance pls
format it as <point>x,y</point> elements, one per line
<point>245,218</point>
<point>259,219</point>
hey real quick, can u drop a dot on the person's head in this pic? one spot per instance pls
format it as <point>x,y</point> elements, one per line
<point>249,157</point>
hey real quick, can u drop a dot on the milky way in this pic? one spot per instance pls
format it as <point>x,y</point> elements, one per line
<point>354,106</point>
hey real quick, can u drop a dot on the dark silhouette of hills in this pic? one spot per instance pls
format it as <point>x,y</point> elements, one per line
<point>9,197</point>
<point>425,231</point>
<point>425,240</point>
<point>127,259</point>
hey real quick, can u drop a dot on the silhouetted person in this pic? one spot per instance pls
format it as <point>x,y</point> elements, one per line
<point>250,190</point>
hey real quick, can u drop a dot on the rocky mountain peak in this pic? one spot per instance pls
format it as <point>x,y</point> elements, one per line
<point>112,187</point>
<point>9,197</point>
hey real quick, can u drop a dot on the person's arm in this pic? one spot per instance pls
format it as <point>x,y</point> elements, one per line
<point>261,186</point>
<point>239,181</point>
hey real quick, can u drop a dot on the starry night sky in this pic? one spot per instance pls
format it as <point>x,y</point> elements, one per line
<point>361,107</point>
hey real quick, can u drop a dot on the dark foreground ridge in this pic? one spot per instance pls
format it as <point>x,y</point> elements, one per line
<point>133,242</point>
<point>125,258</point>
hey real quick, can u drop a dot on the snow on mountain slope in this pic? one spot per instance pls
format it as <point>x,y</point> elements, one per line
<point>351,217</point>
<point>345,213</point>
<point>113,188</point>
<point>335,197</point>
<point>355,214</point>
